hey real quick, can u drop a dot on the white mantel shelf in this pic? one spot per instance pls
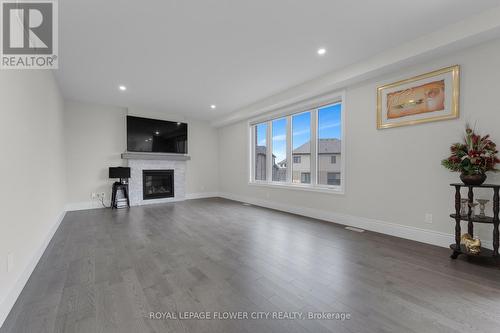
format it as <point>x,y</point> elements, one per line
<point>154,156</point>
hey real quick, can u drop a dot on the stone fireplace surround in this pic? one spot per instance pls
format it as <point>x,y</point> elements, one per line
<point>137,163</point>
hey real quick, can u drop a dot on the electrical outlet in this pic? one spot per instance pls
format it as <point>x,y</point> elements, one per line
<point>10,262</point>
<point>428,218</point>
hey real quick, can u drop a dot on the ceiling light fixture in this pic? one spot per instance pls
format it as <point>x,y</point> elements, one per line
<point>122,88</point>
<point>213,106</point>
<point>321,51</point>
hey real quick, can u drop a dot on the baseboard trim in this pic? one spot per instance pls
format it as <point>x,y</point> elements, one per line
<point>75,206</point>
<point>85,205</point>
<point>416,234</point>
<point>11,298</point>
<point>201,195</point>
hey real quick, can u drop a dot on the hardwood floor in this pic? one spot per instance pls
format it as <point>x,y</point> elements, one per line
<point>105,271</point>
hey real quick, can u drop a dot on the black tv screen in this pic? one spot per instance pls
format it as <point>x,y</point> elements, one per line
<point>156,136</point>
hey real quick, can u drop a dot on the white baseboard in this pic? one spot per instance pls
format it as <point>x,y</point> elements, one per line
<point>416,234</point>
<point>14,293</point>
<point>75,206</point>
<point>201,195</point>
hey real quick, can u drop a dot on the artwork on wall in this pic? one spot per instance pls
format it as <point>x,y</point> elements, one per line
<point>428,97</point>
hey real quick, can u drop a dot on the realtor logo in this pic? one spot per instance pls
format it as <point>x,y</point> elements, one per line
<point>29,34</point>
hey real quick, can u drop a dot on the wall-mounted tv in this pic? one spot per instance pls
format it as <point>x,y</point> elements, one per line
<point>156,136</point>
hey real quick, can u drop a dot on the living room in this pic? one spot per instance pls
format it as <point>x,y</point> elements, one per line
<point>250,166</point>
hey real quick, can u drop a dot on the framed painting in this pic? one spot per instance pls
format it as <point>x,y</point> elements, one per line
<point>429,97</point>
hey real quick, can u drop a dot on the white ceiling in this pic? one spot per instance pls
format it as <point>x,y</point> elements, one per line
<point>182,56</point>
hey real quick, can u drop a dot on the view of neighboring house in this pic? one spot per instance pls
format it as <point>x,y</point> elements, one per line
<point>279,172</point>
<point>260,162</point>
<point>329,159</point>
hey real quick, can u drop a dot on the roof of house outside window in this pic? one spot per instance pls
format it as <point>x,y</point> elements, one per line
<point>326,146</point>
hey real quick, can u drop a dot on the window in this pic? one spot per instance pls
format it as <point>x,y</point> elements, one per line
<point>329,143</point>
<point>311,140</point>
<point>260,152</point>
<point>279,150</point>
<point>333,178</point>
<point>305,177</point>
<point>301,147</point>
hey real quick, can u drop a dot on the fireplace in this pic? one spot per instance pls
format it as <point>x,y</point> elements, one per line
<point>157,184</point>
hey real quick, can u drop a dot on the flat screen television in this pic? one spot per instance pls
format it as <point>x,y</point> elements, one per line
<point>156,136</point>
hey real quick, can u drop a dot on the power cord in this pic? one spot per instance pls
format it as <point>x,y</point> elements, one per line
<point>103,204</point>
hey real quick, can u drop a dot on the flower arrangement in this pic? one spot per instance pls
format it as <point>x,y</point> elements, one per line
<point>475,156</point>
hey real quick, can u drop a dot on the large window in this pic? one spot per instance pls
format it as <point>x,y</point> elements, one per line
<point>329,144</point>
<point>279,164</point>
<point>260,152</point>
<point>301,149</point>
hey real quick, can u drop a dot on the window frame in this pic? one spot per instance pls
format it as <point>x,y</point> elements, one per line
<point>312,106</point>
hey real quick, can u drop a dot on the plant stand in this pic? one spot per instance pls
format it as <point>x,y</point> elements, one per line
<point>457,247</point>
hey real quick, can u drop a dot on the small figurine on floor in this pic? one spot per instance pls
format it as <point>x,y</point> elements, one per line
<point>472,245</point>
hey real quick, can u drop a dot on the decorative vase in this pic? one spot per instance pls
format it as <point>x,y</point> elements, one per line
<point>476,179</point>
<point>473,209</point>
<point>482,206</point>
<point>464,207</point>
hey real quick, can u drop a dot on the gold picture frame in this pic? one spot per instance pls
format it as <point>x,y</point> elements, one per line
<point>424,98</point>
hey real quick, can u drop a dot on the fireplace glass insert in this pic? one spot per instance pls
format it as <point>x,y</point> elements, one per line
<point>157,184</point>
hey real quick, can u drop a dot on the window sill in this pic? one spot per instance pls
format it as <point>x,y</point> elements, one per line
<point>320,189</point>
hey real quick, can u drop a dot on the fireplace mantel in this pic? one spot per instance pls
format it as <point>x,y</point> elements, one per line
<point>154,156</point>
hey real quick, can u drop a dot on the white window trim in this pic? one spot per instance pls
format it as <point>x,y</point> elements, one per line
<point>311,105</point>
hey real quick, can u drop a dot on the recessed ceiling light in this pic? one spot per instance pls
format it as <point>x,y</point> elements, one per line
<point>213,106</point>
<point>157,132</point>
<point>321,51</point>
<point>122,88</point>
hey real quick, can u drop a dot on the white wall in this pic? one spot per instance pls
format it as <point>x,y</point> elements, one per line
<point>393,176</point>
<point>96,137</point>
<point>32,169</point>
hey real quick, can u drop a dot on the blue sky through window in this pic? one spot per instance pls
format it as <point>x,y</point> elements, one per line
<point>301,129</point>
<point>261,134</point>
<point>329,122</point>
<point>279,139</point>
<point>329,127</point>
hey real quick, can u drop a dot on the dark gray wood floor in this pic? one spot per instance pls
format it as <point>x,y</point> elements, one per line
<point>105,271</point>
